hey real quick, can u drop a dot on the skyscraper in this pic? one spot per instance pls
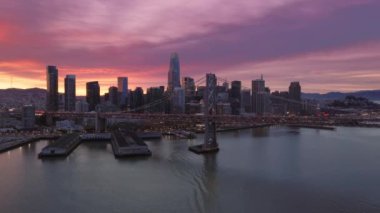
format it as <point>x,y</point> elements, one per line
<point>122,85</point>
<point>259,96</point>
<point>52,88</point>
<point>235,97</point>
<point>295,96</point>
<point>93,94</point>
<point>70,93</point>
<point>188,85</point>
<point>113,95</point>
<point>178,101</point>
<point>154,94</point>
<point>137,99</point>
<point>174,73</point>
<point>246,101</point>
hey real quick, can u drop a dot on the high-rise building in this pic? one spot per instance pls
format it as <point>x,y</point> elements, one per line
<point>154,95</point>
<point>28,116</point>
<point>113,95</point>
<point>81,106</point>
<point>122,85</point>
<point>174,73</point>
<point>178,101</point>
<point>52,88</point>
<point>259,96</point>
<point>137,99</point>
<point>295,97</point>
<point>246,101</point>
<point>188,85</point>
<point>235,97</point>
<point>93,94</point>
<point>70,93</point>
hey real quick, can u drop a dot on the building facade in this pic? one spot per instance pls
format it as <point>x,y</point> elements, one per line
<point>174,73</point>
<point>52,88</point>
<point>93,94</point>
<point>70,93</point>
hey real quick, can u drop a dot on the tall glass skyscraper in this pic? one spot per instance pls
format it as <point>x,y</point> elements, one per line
<point>174,73</point>
<point>52,88</point>
<point>70,93</point>
<point>259,96</point>
<point>93,94</point>
<point>295,95</point>
<point>122,86</point>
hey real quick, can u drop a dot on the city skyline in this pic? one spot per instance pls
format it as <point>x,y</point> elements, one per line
<point>331,46</point>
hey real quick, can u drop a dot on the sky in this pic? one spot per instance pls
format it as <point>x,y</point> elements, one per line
<point>327,45</point>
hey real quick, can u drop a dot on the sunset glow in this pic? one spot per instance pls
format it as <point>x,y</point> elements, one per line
<point>326,45</point>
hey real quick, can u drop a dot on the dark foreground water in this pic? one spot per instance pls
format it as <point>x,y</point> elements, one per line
<point>263,170</point>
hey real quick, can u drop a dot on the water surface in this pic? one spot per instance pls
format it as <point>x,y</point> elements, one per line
<point>274,169</point>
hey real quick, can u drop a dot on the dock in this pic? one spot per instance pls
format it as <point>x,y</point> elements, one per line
<point>149,135</point>
<point>16,142</point>
<point>61,147</point>
<point>311,126</point>
<point>128,144</point>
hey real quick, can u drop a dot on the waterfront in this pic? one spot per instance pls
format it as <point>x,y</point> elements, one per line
<point>276,169</point>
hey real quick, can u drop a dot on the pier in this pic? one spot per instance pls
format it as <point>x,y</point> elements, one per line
<point>310,126</point>
<point>61,147</point>
<point>127,144</point>
<point>13,142</point>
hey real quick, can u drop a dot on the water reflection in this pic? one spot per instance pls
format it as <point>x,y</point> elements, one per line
<point>260,132</point>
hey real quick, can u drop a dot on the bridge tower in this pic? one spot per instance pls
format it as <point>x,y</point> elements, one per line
<point>210,144</point>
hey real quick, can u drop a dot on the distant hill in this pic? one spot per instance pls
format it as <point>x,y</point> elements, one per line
<point>373,95</point>
<point>14,98</point>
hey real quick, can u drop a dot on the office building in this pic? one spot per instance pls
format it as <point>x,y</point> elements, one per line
<point>70,93</point>
<point>178,101</point>
<point>81,106</point>
<point>246,101</point>
<point>52,88</point>
<point>113,96</point>
<point>259,96</point>
<point>235,97</point>
<point>174,73</point>
<point>93,94</point>
<point>122,86</point>
<point>28,116</point>
<point>295,96</point>
<point>188,85</point>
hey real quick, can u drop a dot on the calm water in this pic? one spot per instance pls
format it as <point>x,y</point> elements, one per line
<point>263,170</point>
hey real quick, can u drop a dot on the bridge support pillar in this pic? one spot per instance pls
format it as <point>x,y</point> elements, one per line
<point>100,123</point>
<point>209,144</point>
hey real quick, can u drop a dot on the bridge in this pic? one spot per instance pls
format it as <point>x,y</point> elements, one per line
<point>209,119</point>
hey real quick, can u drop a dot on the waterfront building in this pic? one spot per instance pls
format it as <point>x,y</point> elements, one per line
<point>70,93</point>
<point>174,73</point>
<point>52,88</point>
<point>28,116</point>
<point>93,94</point>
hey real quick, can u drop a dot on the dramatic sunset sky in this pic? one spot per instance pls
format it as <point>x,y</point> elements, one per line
<point>327,45</point>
